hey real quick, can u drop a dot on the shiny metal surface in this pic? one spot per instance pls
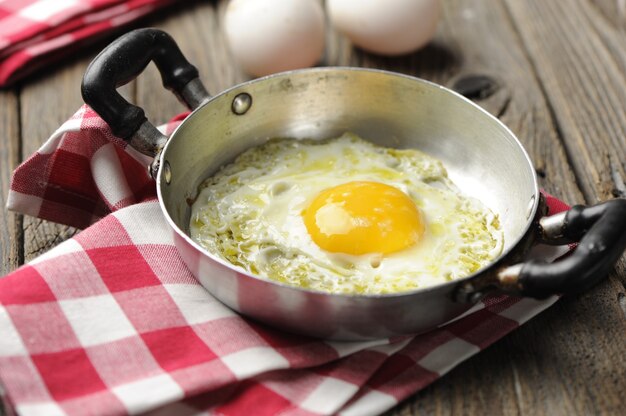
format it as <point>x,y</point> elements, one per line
<point>194,94</point>
<point>482,156</point>
<point>553,228</point>
<point>242,103</point>
<point>148,139</point>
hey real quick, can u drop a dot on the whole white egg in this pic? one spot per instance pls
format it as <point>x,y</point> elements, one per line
<point>389,27</point>
<point>268,36</point>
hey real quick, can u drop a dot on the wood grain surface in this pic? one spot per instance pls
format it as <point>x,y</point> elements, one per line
<point>11,244</point>
<point>557,72</point>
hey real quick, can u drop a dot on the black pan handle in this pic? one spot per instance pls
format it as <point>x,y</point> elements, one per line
<point>601,232</point>
<point>122,61</point>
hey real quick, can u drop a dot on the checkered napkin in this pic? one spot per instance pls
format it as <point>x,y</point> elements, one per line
<point>35,32</point>
<point>112,322</point>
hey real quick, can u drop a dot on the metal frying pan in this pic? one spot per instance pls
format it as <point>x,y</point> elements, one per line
<point>483,157</point>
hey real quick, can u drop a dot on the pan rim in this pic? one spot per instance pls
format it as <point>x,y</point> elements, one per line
<point>532,211</point>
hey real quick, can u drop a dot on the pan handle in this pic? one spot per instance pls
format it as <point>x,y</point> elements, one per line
<point>121,62</point>
<point>600,231</point>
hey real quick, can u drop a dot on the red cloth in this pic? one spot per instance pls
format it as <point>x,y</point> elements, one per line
<point>112,322</point>
<point>35,32</point>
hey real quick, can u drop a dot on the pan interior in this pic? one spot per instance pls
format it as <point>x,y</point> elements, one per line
<point>483,158</point>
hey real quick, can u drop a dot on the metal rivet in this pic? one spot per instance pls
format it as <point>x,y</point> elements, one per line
<point>531,204</point>
<point>242,103</point>
<point>167,172</point>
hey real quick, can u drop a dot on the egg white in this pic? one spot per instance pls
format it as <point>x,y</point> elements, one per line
<point>249,213</point>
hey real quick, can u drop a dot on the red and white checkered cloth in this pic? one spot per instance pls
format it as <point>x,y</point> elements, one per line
<point>112,322</point>
<point>34,33</point>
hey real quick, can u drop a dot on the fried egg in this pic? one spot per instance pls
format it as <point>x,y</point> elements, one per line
<point>343,216</point>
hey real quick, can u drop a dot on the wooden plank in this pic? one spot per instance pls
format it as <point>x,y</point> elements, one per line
<point>584,79</point>
<point>612,12</point>
<point>579,56</point>
<point>10,223</point>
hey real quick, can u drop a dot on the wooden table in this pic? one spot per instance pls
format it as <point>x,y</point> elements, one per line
<point>559,82</point>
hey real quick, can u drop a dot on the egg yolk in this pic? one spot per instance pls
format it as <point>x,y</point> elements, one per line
<point>363,217</point>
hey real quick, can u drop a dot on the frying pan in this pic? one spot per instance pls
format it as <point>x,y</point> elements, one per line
<point>483,158</point>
